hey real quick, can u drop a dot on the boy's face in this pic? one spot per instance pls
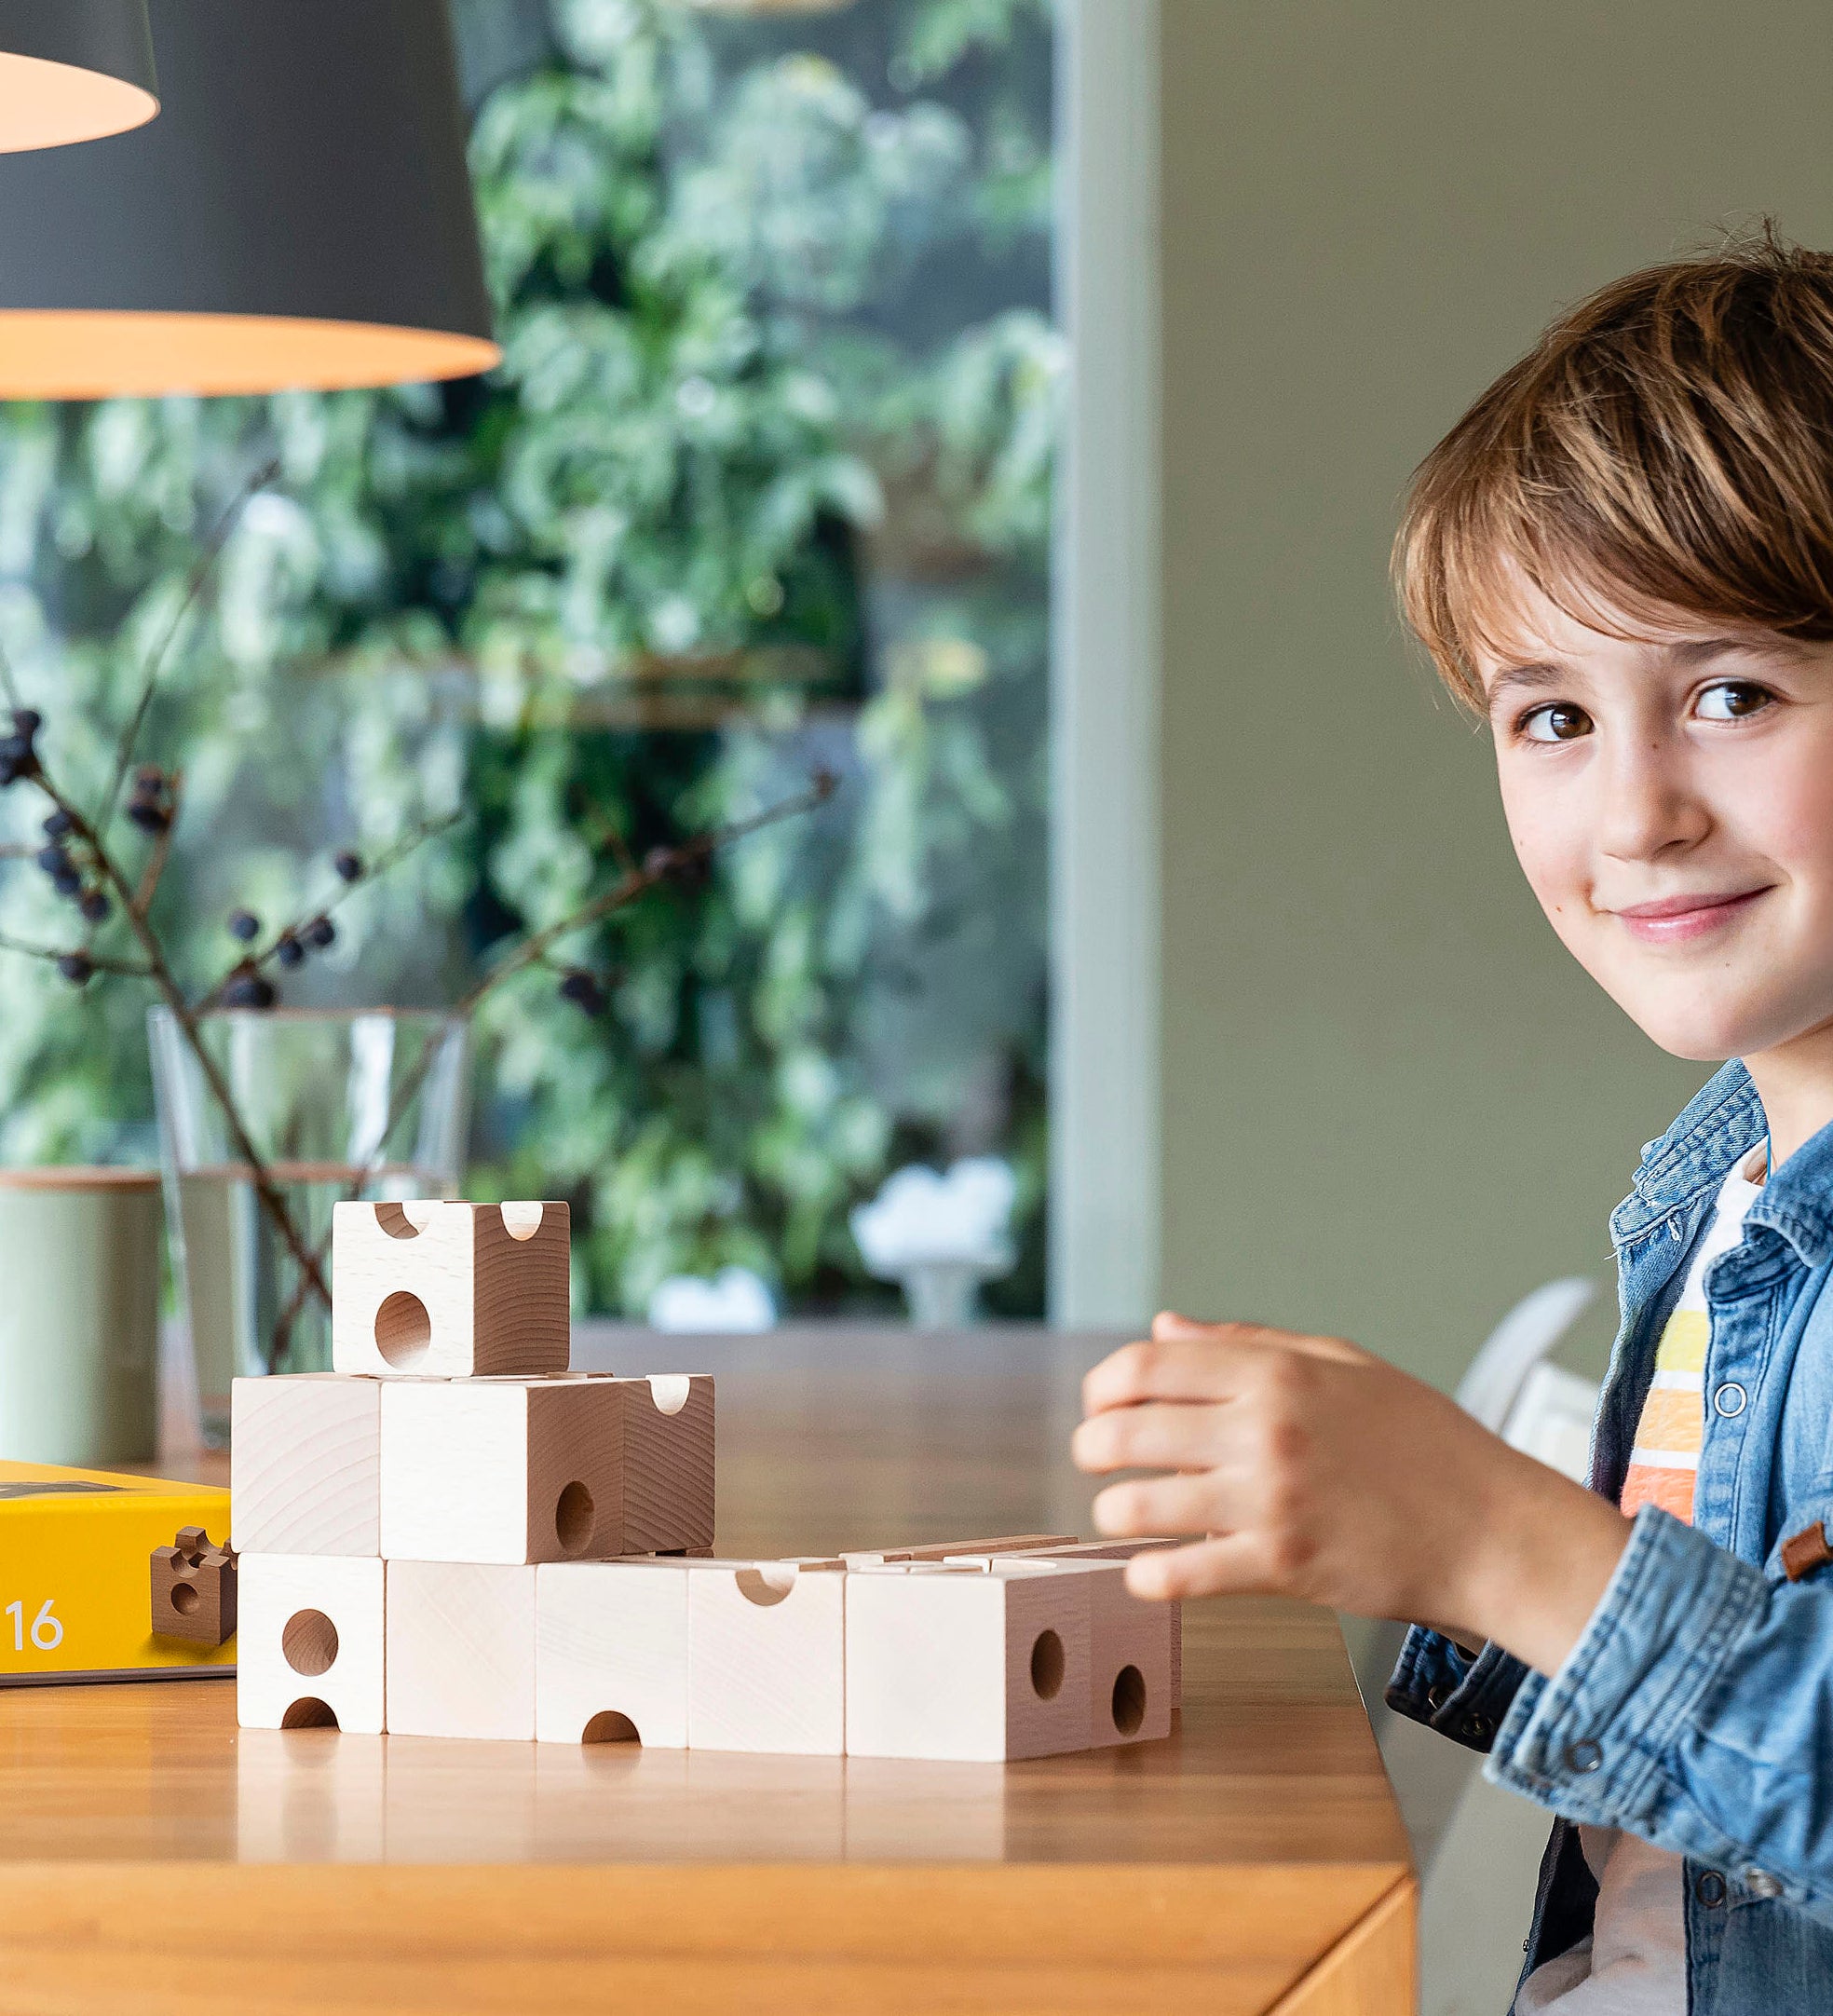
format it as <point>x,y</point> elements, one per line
<point>1670,797</point>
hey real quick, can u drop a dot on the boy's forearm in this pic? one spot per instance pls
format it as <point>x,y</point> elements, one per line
<point>1533,1561</point>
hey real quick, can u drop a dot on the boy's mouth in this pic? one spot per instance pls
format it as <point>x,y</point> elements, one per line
<point>1672,920</point>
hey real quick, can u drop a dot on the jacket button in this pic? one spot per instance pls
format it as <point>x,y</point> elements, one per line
<point>1481,1728</point>
<point>1710,1888</point>
<point>1759,1883</point>
<point>1583,1756</point>
<point>1729,1400</point>
<point>1435,1698</point>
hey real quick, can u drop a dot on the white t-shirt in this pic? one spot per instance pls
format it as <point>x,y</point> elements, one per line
<point>1635,1961</point>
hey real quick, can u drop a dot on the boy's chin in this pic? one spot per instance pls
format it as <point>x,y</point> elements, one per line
<point>1704,1036</point>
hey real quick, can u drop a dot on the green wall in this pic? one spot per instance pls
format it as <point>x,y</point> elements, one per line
<point>1392,1104</point>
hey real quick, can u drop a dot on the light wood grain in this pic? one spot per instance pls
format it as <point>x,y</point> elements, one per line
<point>306,1464</point>
<point>311,1633</point>
<point>461,1649</point>
<point>1210,1872</point>
<point>766,1657</point>
<point>611,1638</point>
<point>449,1289</point>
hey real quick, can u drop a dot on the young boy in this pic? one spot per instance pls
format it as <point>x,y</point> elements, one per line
<point>1622,558</point>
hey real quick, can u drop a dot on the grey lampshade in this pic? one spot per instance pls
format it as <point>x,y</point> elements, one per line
<point>298,215</point>
<point>73,70</point>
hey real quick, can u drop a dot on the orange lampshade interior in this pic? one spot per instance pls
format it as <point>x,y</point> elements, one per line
<point>56,353</point>
<point>46,104</point>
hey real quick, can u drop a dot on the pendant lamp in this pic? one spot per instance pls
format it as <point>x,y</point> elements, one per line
<point>299,215</point>
<point>73,70</point>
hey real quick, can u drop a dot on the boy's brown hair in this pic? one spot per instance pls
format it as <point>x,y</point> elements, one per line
<point>1666,446</point>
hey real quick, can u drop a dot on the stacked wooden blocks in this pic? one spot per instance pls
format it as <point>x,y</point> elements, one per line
<point>451,1534</point>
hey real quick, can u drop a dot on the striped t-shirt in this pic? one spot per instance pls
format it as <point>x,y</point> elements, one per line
<point>1665,1460</point>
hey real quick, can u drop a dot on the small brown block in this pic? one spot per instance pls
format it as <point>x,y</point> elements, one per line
<point>194,1589</point>
<point>1807,1551</point>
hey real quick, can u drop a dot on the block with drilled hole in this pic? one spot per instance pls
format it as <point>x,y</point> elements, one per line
<point>767,1656</point>
<point>976,1663</point>
<point>1123,1551</point>
<point>305,1463</point>
<point>545,1470</point>
<point>611,1653</point>
<point>194,1589</point>
<point>461,1649</point>
<point>308,1652</point>
<point>449,1290</point>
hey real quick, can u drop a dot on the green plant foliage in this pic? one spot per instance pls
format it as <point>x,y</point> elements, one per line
<point>747,494</point>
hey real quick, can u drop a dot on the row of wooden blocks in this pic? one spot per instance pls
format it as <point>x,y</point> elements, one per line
<point>1011,1652</point>
<point>576,1465</point>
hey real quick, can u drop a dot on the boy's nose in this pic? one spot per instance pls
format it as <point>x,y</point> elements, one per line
<point>1649,805</point>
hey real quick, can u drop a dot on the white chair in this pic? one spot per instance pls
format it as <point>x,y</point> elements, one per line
<point>1478,1847</point>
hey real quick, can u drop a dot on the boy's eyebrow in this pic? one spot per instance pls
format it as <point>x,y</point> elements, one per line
<point>1533,677</point>
<point>1536,675</point>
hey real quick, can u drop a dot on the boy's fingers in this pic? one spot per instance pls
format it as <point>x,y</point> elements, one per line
<point>1169,1328</point>
<point>1145,1507</point>
<point>1223,1564</point>
<point>1164,1434</point>
<point>1207,1364</point>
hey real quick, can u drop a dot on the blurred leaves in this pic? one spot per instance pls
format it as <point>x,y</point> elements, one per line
<point>720,438</point>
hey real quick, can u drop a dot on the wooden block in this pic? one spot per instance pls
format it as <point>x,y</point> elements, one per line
<point>1131,1691</point>
<point>611,1653</point>
<point>942,1550</point>
<point>1123,1551</point>
<point>545,1470</point>
<point>308,1654</point>
<point>981,1665</point>
<point>767,1656</point>
<point>193,1591</point>
<point>451,1290</point>
<point>461,1649</point>
<point>668,1421</point>
<point>304,1464</point>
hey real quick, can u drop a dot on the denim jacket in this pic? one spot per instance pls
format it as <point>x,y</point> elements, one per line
<point>1696,1709</point>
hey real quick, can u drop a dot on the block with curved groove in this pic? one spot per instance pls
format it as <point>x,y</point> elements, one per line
<point>308,1650</point>
<point>611,1653</point>
<point>571,1468</point>
<point>449,1291</point>
<point>972,1663</point>
<point>767,1656</point>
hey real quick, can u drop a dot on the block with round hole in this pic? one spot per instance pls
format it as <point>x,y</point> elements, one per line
<point>767,1656</point>
<point>1124,1550</point>
<point>450,1289</point>
<point>309,1645</point>
<point>611,1653</point>
<point>570,1468</point>
<point>502,1470</point>
<point>461,1649</point>
<point>950,1660</point>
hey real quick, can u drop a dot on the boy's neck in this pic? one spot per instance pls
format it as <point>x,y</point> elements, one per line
<point>1795,1083</point>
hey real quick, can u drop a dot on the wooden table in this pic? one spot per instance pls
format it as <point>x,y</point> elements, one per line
<point>153,1858</point>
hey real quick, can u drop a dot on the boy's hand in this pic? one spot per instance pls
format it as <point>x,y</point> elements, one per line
<point>1319,1471</point>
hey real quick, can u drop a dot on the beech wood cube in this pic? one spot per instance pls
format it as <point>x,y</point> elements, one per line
<point>948,1660</point>
<point>309,1653</point>
<point>461,1649</point>
<point>305,1463</point>
<point>611,1653</point>
<point>449,1291</point>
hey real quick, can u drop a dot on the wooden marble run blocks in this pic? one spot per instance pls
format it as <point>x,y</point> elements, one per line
<point>461,1649</point>
<point>305,1463</point>
<point>310,1652</point>
<point>450,1289</point>
<point>1124,1550</point>
<point>611,1653</point>
<point>767,1656</point>
<point>194,1589</point>
<point>517,1470</point>
<point>941,1550</point>
<point>982,1664</point>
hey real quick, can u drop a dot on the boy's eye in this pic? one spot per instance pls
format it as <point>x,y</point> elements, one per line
<point>1732,700</point>
<point>1557,721</point>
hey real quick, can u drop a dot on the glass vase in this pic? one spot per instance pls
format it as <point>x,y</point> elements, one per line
<point>337,1104</point>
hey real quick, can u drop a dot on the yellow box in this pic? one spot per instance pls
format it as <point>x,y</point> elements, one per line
<point>76,1575</point>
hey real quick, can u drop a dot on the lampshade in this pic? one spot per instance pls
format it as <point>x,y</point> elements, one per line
<point>73,70</point>
<point>298,215</point>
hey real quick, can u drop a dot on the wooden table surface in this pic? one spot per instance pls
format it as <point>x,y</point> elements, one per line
<point>154,1858</point>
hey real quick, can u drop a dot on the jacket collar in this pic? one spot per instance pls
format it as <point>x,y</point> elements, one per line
<point>1723,1120</point>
